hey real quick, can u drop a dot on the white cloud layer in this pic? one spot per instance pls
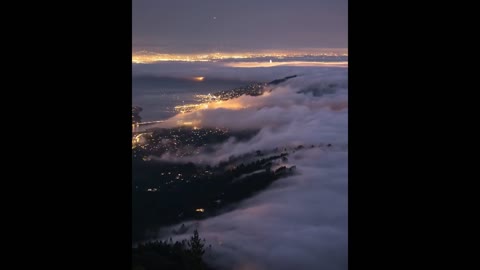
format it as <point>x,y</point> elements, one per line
<point>299,222</point>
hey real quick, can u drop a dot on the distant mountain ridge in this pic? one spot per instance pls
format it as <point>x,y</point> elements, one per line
<point>278,81</point>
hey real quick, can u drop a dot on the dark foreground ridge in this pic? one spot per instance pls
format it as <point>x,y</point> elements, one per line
<point>167,255</point>
<point>167,193</point>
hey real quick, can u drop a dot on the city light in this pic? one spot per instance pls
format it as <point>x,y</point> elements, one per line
<point>144,57</point>
<point>289,63</point>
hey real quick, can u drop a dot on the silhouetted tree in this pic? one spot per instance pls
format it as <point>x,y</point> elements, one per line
<point>196,245</point>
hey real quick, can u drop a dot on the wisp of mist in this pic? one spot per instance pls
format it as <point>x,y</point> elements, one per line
<point>299,222</point>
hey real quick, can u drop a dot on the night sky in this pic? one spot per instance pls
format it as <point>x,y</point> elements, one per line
<point>190,26</point>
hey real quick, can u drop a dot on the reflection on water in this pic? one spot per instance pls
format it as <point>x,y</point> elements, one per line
<point>159,96</point>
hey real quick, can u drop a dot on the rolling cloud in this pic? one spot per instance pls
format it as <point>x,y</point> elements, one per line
<point>299,222</point>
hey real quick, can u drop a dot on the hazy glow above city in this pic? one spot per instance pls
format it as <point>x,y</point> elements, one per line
<point>289,63</point>
<point>145,57</point>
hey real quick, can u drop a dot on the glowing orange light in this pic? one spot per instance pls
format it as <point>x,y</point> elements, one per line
<point>143,57</point>
<point>199,78</point>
